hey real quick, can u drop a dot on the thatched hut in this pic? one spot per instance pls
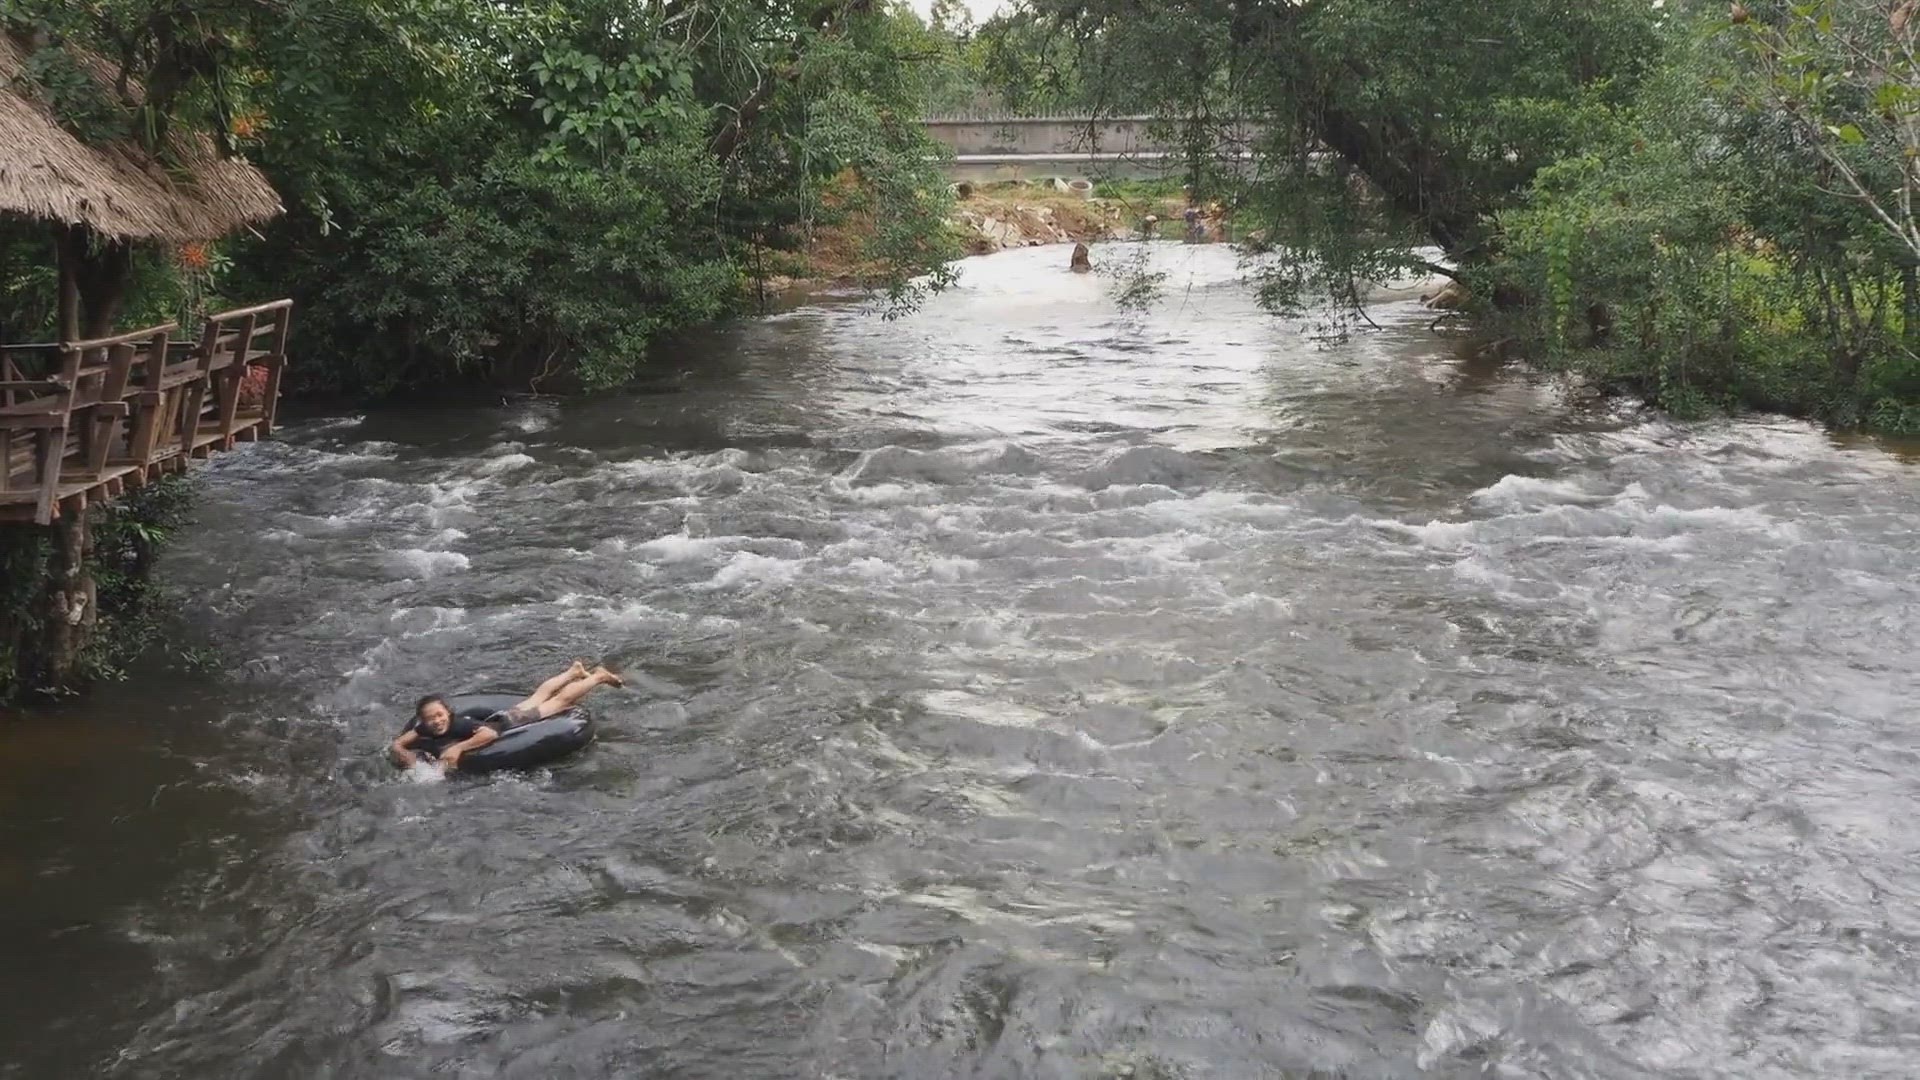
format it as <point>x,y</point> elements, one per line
<point>104,198</point>
<point>99,200</point>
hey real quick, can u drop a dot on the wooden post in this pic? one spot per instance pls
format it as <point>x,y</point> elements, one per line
<point>276,367</point>
<point>227,389</point>
<point>149,406</point>
<point>111,415</point>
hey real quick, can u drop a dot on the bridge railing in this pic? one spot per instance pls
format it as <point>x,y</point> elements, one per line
<point>97,416</point>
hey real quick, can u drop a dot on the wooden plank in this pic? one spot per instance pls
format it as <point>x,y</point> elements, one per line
<point>270,401</point>
<point>144,459</point>
<point>146,425</point>
<point>228,386</point>
<point>257,309</point>
<point>180,375</point>
<point>93,489</point>
<point>84,425</point>
<point>81,481</point>
<point>187,420</point>
<point>149,425</point>
<point>106,425</point>
<point>276,363</point>
<point>184,416</point>
<point>33,420</point>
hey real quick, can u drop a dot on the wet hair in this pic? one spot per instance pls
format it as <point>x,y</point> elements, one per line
<point>420,707</point>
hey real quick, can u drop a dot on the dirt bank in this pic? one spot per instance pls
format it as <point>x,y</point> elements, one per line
<point>983,221</point>
<point>1027,216</point>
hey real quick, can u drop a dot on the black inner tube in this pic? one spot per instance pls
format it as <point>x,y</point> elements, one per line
<point>526,746</point>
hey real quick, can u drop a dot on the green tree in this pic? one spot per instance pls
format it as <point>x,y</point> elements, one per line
<point>1707,250</point>
<point>1443,112</point>
<point>1843,75</point>
<point>520,193</point>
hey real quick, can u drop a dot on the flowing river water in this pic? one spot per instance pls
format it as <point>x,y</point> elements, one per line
<point>1022,688</point>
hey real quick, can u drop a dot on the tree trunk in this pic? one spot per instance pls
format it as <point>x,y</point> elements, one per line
<point>1198,144</point>
<point>1413,180</point>
<point>68,620</point>
<point>69,264</point>
<point>1909,306</point>
<point>94,275</point>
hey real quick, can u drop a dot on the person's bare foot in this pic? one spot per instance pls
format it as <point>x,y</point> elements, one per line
<point>578,670</point>
<point>607,677</point>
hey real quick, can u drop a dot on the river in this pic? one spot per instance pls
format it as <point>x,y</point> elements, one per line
<point>1021,688</point>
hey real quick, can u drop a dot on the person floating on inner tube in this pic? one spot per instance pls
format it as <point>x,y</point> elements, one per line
<point>437,734</point>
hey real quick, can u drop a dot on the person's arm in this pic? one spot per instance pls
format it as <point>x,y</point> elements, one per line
<point>450,757</point>
<point>402,756</point>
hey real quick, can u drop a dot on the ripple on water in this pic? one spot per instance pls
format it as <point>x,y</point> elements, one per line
<point>1023,690</point>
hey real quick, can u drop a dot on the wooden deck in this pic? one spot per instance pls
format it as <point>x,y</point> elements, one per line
<point>106,415</point>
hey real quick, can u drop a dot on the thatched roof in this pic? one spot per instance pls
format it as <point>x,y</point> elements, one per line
<point>118,190</point>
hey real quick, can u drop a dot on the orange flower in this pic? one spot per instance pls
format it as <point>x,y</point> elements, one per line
<point>194,256</point>
<point>246,125</point>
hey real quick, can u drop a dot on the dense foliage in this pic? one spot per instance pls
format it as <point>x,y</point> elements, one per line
<point>510,192</point>
<point>1713,205</point>
<point>122,544</point>
<point>1731,237</point>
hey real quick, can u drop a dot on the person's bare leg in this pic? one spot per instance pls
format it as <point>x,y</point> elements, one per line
<point>570,695</point>
<point>554,685</point>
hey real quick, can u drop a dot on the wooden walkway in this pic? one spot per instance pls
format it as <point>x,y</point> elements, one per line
<point>106,415</point>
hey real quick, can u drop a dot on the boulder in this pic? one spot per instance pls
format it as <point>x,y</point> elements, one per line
<point>1452,297</point>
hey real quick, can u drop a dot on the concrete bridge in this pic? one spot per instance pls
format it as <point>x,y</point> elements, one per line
<point>991,148</point>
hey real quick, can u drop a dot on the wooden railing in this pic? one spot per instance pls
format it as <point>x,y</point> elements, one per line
<point>115,412</point>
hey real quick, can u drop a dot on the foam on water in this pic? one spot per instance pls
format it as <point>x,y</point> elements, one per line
<point>505,463</point>
<point>744,568</point>
<point>1023,687</point>
<point>420,562</point>
<point>1531,493</point>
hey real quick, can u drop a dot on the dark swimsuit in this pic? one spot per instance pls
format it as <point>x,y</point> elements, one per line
<point>459,731</point>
